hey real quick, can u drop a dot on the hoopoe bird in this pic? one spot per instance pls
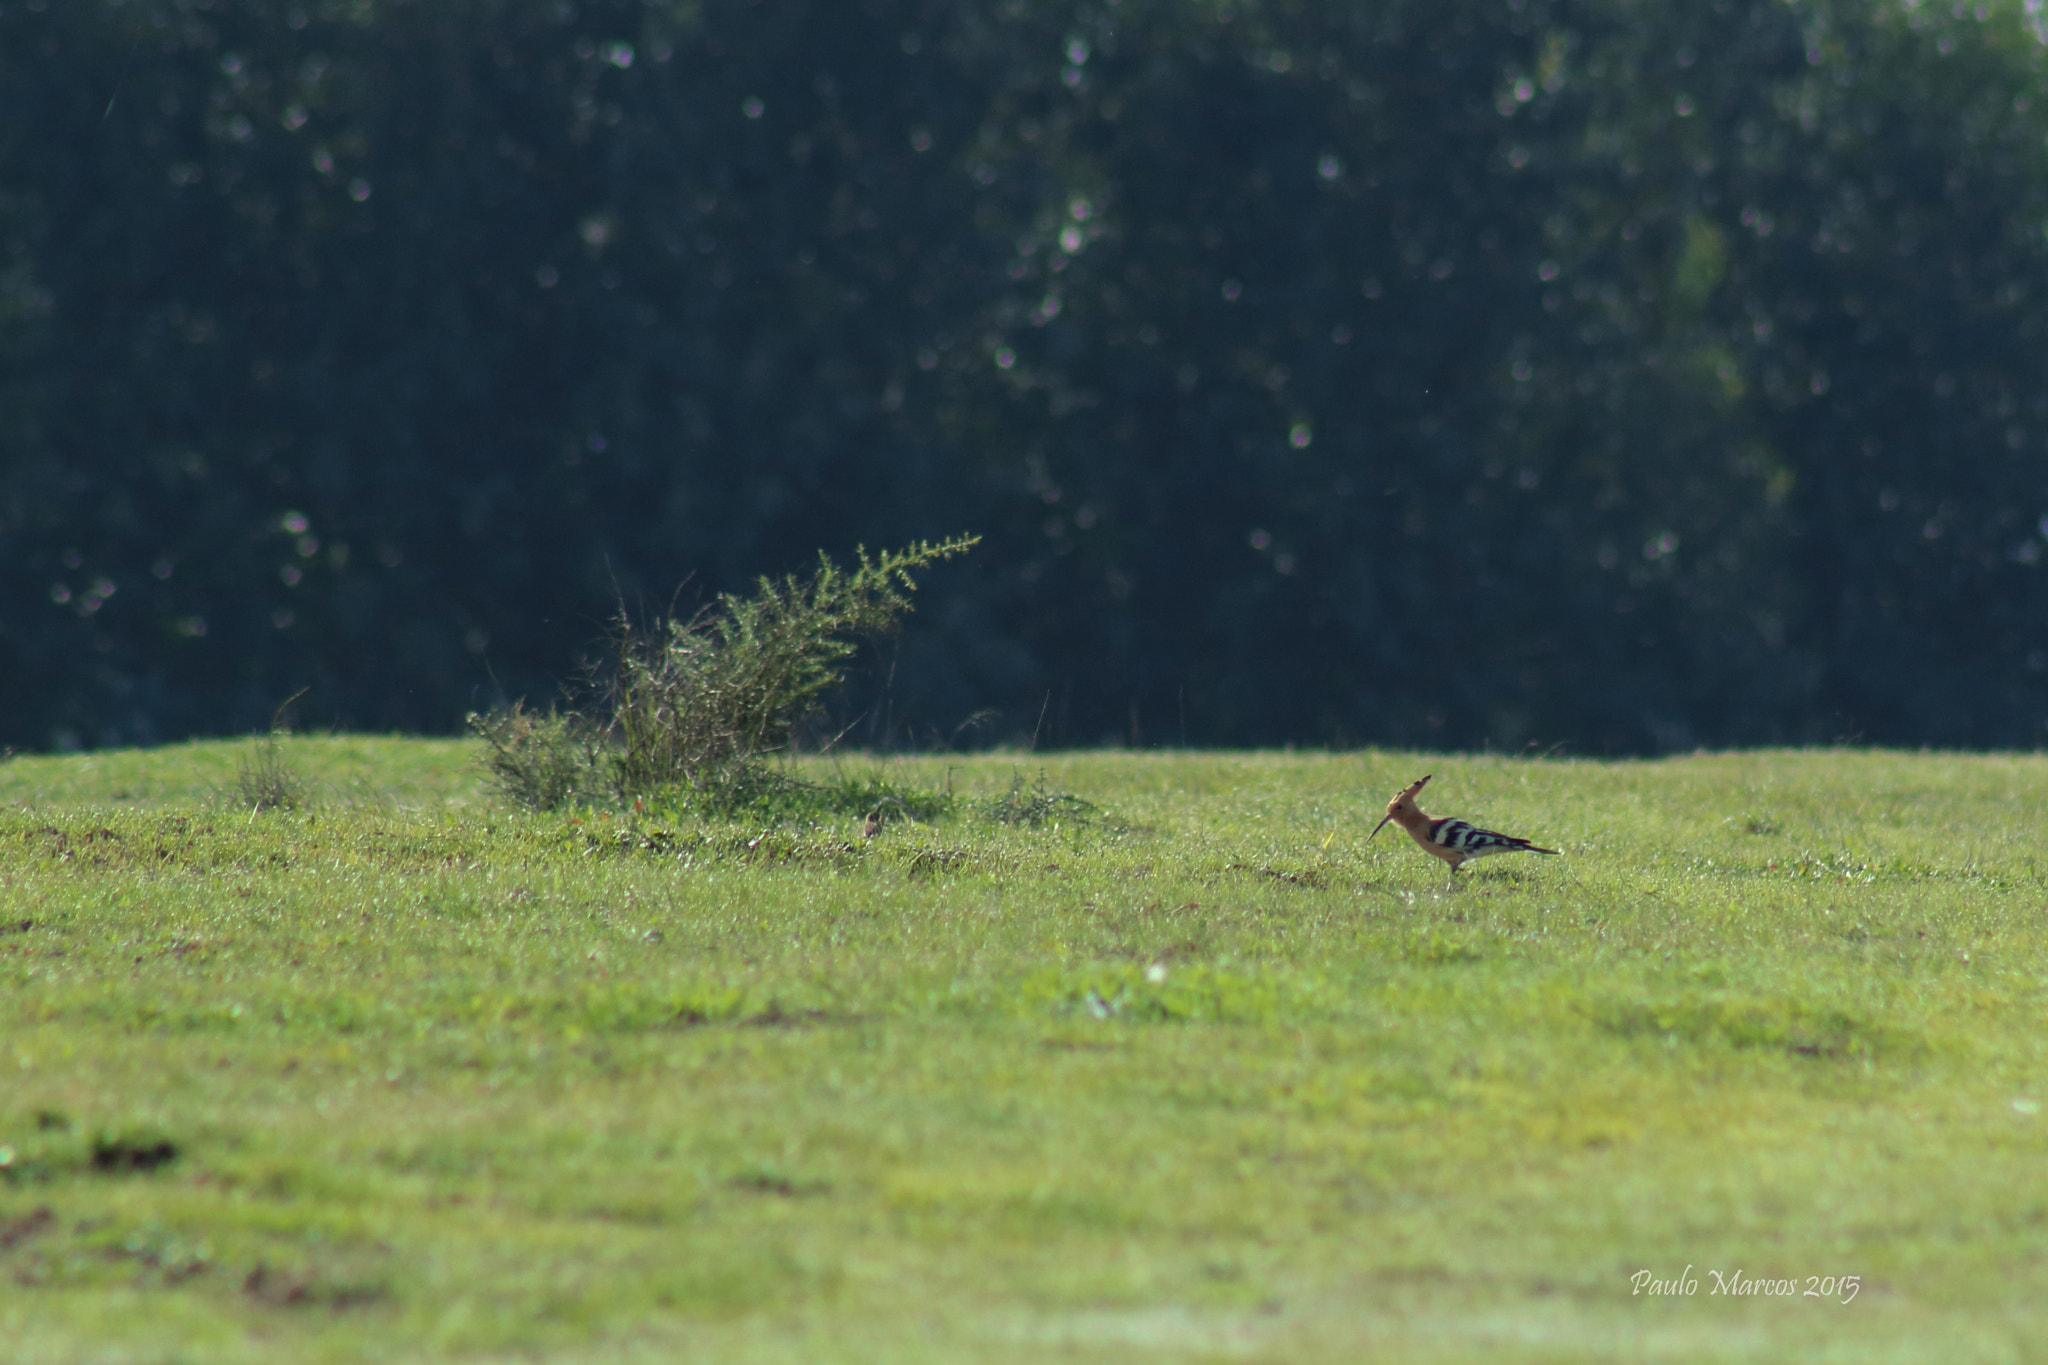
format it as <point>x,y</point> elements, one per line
<point>1455,841</point>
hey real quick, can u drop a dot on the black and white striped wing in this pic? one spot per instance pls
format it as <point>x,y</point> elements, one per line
<point>1474,842</point>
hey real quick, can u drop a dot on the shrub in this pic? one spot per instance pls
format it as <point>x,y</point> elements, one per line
<point>541,761</point>
<point>696,707</point>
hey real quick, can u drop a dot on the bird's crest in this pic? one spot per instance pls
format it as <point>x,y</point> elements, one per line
<point>1402,797</point>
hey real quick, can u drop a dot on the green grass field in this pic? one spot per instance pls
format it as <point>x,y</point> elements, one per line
<point>405,1075</point>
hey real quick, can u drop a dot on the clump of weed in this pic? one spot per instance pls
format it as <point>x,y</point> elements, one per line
<point>888,802</point>
<point>1793,1026</point>
<point>695,709</point>
<point>780,799</point>
<point>765,1178</point>
<point>265,779</point>
<point>128,1153</point>
<point>541,761</point>
<point>1038,804</point>
<point>310,1287</point>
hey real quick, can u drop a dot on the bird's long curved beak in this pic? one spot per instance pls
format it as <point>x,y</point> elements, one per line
<point>1380,826</point>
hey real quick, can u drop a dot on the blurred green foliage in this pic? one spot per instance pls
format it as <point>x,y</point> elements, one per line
<point>1634,376</point>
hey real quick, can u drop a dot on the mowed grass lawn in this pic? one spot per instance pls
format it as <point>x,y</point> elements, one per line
<point>405,1075</point>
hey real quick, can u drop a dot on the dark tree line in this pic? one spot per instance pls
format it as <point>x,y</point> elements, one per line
<point>1445,373</point>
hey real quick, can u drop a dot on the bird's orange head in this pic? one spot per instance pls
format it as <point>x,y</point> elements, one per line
<point>1402,804</point>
